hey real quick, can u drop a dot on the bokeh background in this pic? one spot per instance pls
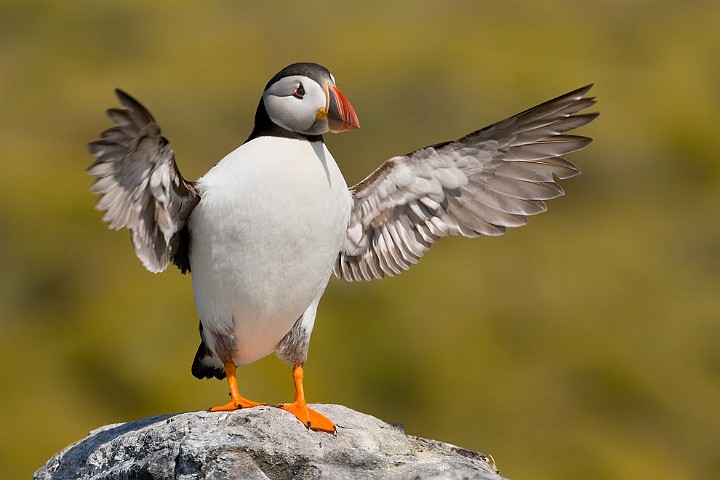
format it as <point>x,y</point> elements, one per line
<point>584,345</point>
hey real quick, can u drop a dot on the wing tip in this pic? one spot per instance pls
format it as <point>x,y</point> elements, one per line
<point>132,104</point>
<point>122,95</point>
<point>583,90</point>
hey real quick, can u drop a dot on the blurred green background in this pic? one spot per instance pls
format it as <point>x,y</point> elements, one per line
<point>582,346</point>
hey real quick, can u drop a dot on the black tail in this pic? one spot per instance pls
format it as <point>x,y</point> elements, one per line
<point>205,364</point>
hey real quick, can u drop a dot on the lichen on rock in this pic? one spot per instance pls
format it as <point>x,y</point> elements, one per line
<point>261,443</point>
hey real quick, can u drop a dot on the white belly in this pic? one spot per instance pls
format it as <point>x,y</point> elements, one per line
<point>265,236</point>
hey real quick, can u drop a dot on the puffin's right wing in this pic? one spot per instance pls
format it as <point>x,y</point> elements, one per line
<point>140,187</point>
<point>478,185</point>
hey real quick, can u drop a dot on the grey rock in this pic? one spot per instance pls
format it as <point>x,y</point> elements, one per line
<point>261,443</point>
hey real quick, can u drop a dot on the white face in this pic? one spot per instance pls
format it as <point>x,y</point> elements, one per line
<point>294,102</point>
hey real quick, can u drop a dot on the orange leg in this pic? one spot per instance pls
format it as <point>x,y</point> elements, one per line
<point>310,418</point>
<point>237,400</point>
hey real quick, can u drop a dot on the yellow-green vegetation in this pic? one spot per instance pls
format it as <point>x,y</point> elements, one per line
<point>584,345</point>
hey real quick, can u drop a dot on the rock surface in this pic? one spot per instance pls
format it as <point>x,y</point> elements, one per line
<point>261,443</point>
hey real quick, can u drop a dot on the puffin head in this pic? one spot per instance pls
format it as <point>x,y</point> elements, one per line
<point>302,99</point>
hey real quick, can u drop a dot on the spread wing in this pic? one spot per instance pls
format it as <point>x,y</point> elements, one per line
<point>140,187</point>
<point>478,185</point>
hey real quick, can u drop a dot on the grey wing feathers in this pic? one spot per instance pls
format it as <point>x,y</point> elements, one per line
<point>477,185</point>
<point>140,187</point>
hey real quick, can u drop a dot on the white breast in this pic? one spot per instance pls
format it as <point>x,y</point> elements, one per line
<point>265,236</point>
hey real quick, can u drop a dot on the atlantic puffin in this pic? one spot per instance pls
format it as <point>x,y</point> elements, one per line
<point>265,228</point>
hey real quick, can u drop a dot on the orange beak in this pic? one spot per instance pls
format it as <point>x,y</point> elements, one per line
<point>340,114</point>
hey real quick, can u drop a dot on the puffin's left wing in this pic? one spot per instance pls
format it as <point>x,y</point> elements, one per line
<point>478,185</point>
<point>141,188</point>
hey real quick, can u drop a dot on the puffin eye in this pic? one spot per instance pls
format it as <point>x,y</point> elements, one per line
<point>299,91</point>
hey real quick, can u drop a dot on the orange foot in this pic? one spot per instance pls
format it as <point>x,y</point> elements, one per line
<point>237,401</point>
<point>309,417</point>
<point>236,404</point>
